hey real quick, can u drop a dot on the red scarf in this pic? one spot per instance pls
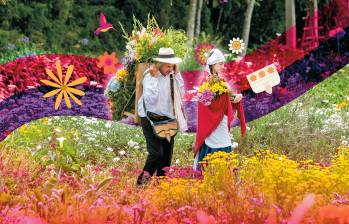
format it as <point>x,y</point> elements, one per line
<point>209,118</point>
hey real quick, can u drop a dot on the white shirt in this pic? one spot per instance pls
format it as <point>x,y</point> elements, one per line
<point>220,137</point>
<point>157,94</point>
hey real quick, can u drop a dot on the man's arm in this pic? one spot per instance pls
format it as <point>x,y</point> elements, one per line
<point>150,89</point>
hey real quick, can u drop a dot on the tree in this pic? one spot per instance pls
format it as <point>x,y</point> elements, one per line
<point>247,23</point>
<point>290,24</point>
<point>198,18</point>
<point>191,21</point>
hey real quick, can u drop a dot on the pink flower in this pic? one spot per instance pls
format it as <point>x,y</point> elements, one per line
<point>206,97</point>
<point>299,212</point>
<point>203,218</point>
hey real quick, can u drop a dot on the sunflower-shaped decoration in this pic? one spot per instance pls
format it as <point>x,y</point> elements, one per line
<point>236,45</point>
<point>63,87</point>
<point>202,52</point>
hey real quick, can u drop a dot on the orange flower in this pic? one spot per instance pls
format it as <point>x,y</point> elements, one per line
<point>108,62</point>
<point>63,87</point>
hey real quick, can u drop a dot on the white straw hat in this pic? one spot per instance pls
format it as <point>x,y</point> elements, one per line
<point>166,55</point>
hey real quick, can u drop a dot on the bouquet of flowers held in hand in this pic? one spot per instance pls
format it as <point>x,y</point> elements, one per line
<point>211,89</point>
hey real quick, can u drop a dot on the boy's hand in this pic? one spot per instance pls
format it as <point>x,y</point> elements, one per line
<point>237,98</point>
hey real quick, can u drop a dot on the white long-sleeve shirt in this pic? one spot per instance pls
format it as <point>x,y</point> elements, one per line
<point>157,94</point>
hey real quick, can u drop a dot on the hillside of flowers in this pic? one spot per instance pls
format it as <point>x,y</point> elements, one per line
<point>263,188</point>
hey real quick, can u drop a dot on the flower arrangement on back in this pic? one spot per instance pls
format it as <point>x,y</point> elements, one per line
<point>144,42</point>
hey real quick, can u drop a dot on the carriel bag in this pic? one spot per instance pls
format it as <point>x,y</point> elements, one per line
<point>163,129</point>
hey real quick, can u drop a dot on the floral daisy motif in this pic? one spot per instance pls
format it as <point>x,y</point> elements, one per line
<point>63,87</point>
<point>236,45</point>
<point>202,52</point>
<point>108,62</point>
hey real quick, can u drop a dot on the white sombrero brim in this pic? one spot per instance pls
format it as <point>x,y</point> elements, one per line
<point>174,60</point>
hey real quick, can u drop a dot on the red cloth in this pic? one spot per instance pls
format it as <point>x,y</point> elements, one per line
<point>209,118</point>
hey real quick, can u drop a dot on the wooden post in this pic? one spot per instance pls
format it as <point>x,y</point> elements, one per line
<point>140,69</point>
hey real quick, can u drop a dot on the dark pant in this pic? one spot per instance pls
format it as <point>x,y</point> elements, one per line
<point>159,152</point>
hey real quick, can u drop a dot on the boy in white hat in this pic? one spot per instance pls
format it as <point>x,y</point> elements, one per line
<point>157,98</point>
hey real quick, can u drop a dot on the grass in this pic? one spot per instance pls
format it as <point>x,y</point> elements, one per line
<point>310,127</point>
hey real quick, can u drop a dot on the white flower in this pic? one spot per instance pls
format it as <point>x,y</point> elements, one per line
<point>61,140</point>
<point>248,128</point>
<point>108,125</point>
<point>132,144</point>
<point>38,147</point>
<point>344,142</point>
<point>110,149</point>
<point>93,83</point>
<point>122,152</point>
<point>236,45</point>
<point>177,161</point>
<point>58,130</point>
<point>116,159</point>
<point>49,138</point>
<point>136,147</point>
<point>234,145</point>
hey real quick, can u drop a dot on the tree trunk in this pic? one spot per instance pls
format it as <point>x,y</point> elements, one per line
<point>291,38</point>
<point>219,18</point>
<point>198,19</point>
<point>191,21</point>
<point>247,24</point>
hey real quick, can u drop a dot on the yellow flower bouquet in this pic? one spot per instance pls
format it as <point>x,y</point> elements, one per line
<point>211,89</point>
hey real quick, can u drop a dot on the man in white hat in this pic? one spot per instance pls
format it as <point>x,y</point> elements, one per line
<point>158,104</point>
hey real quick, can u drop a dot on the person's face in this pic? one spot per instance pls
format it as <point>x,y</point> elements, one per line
<point>166,69</point>
<point>218,68</point>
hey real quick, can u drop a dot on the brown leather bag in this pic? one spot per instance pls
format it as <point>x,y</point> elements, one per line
<point>167,128</point>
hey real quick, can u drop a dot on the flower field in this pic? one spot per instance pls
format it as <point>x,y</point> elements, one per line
<point>291,168</point>
<point>58,166</point>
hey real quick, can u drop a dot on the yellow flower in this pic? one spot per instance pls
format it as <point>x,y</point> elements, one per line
<point>64,88</point>
<point>122,73</point>
<point>342,105</point>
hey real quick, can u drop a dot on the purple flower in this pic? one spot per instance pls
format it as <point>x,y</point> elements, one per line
<point>25,39</point>
<point>206,97</point>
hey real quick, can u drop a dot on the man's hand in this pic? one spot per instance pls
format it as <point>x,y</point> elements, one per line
<point>154,70</point>
<point>175,69</point>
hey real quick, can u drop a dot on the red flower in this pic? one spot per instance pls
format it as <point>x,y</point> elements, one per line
<point>202,52</point>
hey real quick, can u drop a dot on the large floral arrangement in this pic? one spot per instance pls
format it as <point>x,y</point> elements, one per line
<point>142,45</point>
<point>211,89</point>
<point>144,42</point>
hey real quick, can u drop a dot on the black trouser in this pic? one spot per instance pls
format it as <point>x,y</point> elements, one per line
<point>160,151</point>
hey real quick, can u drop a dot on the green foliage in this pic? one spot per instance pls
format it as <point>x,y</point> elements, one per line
<point>189,62</point>
<point>124,98</point>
